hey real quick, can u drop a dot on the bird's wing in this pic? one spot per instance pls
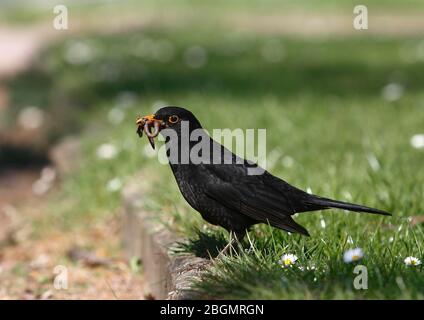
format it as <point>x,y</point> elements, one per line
<point>251,197</point>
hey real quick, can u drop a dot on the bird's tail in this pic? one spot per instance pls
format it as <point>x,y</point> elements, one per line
<point>325,203</point>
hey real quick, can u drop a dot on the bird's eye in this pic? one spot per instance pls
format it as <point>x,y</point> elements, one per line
<point>173,119</point>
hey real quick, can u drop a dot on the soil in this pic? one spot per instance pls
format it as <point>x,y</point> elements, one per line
<point>28,259</point>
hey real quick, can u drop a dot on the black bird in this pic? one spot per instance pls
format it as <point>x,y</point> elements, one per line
<point>226,194</point>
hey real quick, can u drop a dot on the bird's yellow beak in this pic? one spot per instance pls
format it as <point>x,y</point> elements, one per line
<point>144,119</point>
<point>145,124</point>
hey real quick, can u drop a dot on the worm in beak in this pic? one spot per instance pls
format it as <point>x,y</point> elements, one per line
<point>146,124</point>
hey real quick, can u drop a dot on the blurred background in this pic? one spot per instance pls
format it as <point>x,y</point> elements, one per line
<point>69,98</point>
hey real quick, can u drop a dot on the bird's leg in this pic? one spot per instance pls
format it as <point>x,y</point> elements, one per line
<point>227,247</point>
<point>240,236</point>
<point>235,237</point>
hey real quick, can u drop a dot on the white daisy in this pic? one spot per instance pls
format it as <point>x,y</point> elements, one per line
<point>116,115</point>
<point>412,261</point>
<point>114,185</point>
<point>417,141</point>
<point>31,118</point>
<point>392,92</point>
<point>106,151</point>
<point>79,53</point>
<point>353,255</point>
<point>287,260</point>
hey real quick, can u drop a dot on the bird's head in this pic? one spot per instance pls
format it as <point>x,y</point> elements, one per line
<point>166,117</point>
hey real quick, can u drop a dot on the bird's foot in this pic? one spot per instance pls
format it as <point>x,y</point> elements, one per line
<point>235,239</point>
<point>227,249</point>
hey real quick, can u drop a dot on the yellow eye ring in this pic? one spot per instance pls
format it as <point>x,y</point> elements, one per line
<point>173,119</point>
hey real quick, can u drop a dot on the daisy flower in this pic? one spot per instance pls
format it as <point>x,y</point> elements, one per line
<point>31,118</point>
<point>417,141</point>
<point>412,261</point>
<point>392,92</point>
<point>114,185</point>
<point>353,255</point>
<point>287,260</point>
<point>106,151</point>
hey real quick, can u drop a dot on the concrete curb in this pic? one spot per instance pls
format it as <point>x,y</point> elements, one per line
<point>168,276</point>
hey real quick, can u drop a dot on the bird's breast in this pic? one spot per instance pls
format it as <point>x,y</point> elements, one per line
<point>190,187</point>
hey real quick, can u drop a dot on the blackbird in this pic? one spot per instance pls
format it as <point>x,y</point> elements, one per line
<point>224,192</point>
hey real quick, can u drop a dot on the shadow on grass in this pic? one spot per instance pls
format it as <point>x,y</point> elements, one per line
<point>203,244</point>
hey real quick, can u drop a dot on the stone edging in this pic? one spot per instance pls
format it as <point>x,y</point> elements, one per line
<point>168,276</point>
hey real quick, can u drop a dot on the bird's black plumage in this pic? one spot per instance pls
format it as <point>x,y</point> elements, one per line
<point>226,195</point>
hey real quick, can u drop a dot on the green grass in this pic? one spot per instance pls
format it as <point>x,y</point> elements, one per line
<point>325,118</point>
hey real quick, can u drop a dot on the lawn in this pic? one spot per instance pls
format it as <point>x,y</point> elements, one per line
<point>339,114</point>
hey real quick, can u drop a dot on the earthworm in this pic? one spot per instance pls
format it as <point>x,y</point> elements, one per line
<point>156,126</point>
